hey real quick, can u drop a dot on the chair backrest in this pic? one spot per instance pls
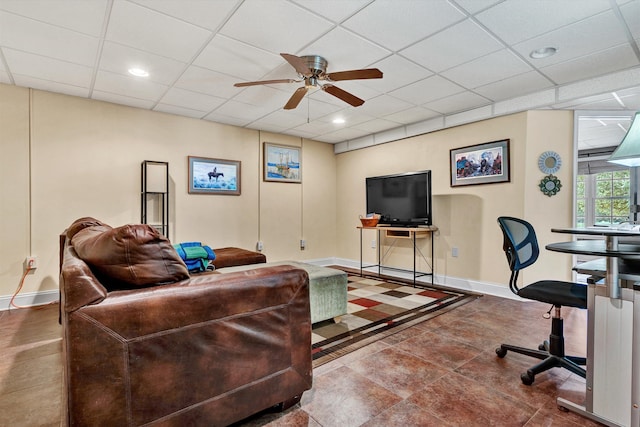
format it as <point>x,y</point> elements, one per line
<point>520,242</point>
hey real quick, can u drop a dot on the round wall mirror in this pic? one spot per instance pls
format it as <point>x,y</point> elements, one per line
<point>549,162</point>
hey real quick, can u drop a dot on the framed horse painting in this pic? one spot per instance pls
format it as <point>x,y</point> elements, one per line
<point>214,176</point>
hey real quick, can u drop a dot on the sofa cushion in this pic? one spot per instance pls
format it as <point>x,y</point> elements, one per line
<point>129,256</point>
<point>82,223</point>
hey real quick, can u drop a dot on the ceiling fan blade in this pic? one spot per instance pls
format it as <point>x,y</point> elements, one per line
<point>344,95</point>
<point>265,82</point>
<point>298,63</point>
<point>296,98</point>
<point>368,73</point>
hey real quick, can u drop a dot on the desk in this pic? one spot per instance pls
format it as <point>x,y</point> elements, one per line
<point>610,248</point>
<point>613,326</point>
<point>412,233</point>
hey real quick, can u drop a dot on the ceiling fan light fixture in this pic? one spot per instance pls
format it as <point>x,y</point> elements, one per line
<point>543,52</point>
<point>138,72</point>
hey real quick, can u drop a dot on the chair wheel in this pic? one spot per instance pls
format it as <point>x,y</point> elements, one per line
<point>527,378</point>
<point>501,352</point>
<point>541,347</point>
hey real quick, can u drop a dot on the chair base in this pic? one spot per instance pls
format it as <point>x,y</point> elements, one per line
<point>571,363</point>
<point>551,353</point>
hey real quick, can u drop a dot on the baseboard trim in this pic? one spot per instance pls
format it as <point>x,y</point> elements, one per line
<point>445,281</point>
<point>30,299</point>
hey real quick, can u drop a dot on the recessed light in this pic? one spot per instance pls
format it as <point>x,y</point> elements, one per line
<point>338,121</point>
<point>138,72</point>
<point>543,52</point>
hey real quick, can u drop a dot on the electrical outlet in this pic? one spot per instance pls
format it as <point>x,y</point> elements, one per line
<point>259,246</point>
<point>303,244</point>
<point>31,262</point>
<point>454,252</point>
<point>373,244</point>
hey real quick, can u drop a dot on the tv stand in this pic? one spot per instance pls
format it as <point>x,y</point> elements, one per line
<point>412,233</point>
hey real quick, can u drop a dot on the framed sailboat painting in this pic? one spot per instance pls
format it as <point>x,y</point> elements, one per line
<point>282,163</point>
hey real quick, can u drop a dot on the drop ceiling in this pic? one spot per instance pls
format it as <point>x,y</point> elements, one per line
<point>445,63</point>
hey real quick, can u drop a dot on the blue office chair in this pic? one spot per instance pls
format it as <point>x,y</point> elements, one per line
<point>521,248</point>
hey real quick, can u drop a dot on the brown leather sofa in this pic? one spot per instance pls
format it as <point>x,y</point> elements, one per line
<point>145,344</point>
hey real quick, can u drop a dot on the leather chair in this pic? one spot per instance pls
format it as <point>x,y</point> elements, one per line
<point>521,247</point>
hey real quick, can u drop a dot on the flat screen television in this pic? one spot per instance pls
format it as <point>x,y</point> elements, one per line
<point>401,199</point>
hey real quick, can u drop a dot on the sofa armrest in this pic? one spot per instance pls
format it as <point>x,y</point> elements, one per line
<point>78,285</point>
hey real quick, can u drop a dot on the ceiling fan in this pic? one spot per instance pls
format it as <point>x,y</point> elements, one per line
<point>312,70</point>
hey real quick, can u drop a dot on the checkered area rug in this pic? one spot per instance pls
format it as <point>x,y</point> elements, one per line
<point>376,309</point>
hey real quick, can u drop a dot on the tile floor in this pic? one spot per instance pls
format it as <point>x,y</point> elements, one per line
<point>440,373</point>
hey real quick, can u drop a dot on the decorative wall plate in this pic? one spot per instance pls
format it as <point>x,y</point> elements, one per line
<point>550,185</point>
<point>549,162</point>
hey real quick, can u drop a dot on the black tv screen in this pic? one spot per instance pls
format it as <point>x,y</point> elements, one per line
<point>402,199</point>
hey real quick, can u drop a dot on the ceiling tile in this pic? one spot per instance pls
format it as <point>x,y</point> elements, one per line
<point>462,42</point>
<point>264,96</point>
<point>631,14</point>
<point>225,119</point>
<point>237,59</point>
<point>26,81</point>
<point>44,68</point>
<point>510,87</point>
<point>411,115</point>
<point>136,26</point>
<point>241,110</point>
<point>488,69</point>
<point>429,89</point>
<point>317,128</point>
<point>458,102</point>
<point>343,134</point>
<point>396,24</point>
<point>133,87</point>
<point>383,105</point>
<point>518,20</point>
<point>575,40</point>
<point>377,125</point>
<point>205,14</point>
<point>199,79</point>
<point>179,111</point>
<point>400,72</point>
<point>118,59</point>
<point>122,99</point>
<point>283,119</point>
<point>470,116</point>
<point>351,116</point>
<point>346,51</point>
<point>603,62</point>
<point>313,109</point>
<point>82,16</point>
<point>605,83</point>
<point>475,6</point>
<point>333,10</point>
<point>526,102</point>
<point>192,100</point>
<point>47,40</point>
<point>289,26</point>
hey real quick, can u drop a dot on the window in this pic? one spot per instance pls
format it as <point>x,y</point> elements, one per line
<point>602,198</point>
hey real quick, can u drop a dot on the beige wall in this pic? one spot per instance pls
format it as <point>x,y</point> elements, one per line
<point>466,216</point>
<point>65,157</point>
